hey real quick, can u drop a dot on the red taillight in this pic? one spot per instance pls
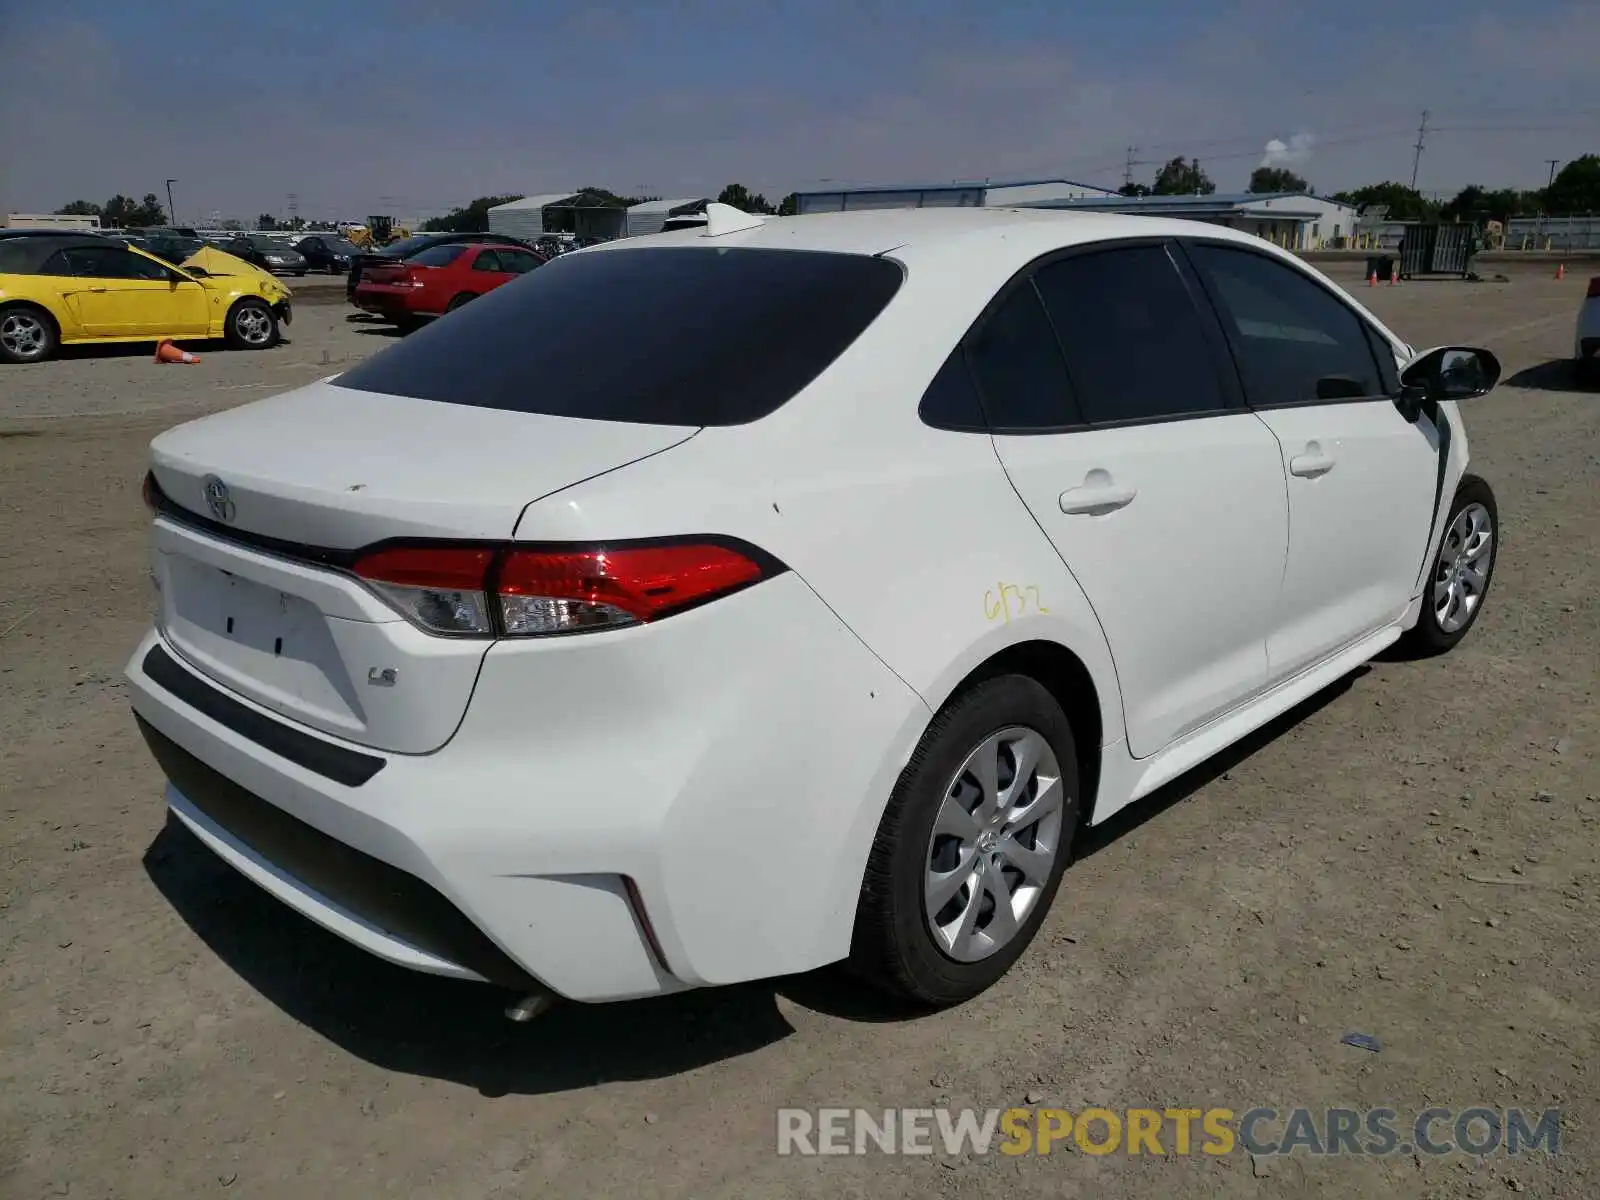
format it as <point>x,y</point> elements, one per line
<point>440,588</point>
<point>559,591</point>
<point>1594,287</point>
<point>531,592</point>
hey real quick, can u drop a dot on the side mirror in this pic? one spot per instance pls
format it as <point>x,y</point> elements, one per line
<point>1452,373</point>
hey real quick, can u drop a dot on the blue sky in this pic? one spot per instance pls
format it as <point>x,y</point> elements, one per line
<point>412,106</point>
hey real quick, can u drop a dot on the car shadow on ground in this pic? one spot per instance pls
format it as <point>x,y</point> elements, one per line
<point>1557,375</point>
<point>445,1029</point>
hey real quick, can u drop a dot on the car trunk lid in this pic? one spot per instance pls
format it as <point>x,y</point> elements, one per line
<point>264,506</point>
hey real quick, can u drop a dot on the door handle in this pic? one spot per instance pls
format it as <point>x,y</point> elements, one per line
<point>1096,499</point>
<point>96,288</point>
<point>1311,464</point>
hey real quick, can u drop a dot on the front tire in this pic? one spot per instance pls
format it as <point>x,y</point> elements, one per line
<point>972,846</point>
<point>27,334</point>
<point>460,301</point>
<point>251,325</point>
<point>1463,569</point>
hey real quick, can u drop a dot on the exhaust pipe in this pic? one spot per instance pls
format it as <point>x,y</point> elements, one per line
<point>534,1004</point>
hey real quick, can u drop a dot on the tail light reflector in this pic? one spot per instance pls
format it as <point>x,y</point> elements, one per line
<point>514,591</point>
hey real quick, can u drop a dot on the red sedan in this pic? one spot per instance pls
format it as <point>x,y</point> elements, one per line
<point>439,279</point>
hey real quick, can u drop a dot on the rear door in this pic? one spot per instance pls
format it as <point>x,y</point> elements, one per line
<point>1123,432</point>
<point>1363,480</point>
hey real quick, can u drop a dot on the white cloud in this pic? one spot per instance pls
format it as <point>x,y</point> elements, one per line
<point>1293,153</point>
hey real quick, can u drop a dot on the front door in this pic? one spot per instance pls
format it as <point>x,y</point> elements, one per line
<point>1124,436</point>
<point>117,293</point>
<point>1362,479</point>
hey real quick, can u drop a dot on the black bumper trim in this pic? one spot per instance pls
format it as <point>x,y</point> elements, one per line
<point>382,895</point>
<point>349,767</point>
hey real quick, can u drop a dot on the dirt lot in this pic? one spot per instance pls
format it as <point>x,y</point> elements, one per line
<point>1413,855</point>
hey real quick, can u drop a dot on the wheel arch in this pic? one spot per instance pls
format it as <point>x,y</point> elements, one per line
<point>1067,678</point>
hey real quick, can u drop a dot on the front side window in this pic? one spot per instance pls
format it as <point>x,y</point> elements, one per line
<point>1295,343</point>
<point>1135,348</point>
<point>1018,367</point>
<point>113,262</point>
<point>487,260</point>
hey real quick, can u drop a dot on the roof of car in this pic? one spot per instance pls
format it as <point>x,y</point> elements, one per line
<point>25,256</point>
<point>1025,231</point>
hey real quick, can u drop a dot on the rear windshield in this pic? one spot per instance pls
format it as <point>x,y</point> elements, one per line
<point>661,336</point>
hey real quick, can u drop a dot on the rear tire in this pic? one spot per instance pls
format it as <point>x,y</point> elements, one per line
<point>948,840</point>
<point>460,301</point>
<point>251,325</point>
<point>28,334</point>
<point>1461,573</point>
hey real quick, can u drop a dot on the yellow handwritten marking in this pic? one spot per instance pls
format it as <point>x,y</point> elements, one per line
<point>1007,600</point>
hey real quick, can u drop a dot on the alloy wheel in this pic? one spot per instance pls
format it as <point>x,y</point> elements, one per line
<point>1466,558</point>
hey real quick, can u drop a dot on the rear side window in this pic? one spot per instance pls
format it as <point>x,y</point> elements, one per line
<point>1135,347</point>
<point>1018,367</point>
<point>518,262</point>
<point>436,256</point>
<point>487,260</point>
<point>668,335</point>
<point>951,402</point>
<point>1295,343</point>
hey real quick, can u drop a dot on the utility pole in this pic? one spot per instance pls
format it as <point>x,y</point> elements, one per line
<point>1422,137</point>
<point>1553,164</point>
<point>294,208</point>
<point>172,213</point>
<point>1127,172</point>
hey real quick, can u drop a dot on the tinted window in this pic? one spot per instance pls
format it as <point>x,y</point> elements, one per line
<point>436,256</point>
<point>669,336</point>
<point>1132,336</point>
<point>518,262</point>
<point>408,245</point>
<point>1018,367</point>
<point>951,402</point>
<point>487,260</point>
<point>113,262</point>
<point>56,264</point>
<point>1293,340</point>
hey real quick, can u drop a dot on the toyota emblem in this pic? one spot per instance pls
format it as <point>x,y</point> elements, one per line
<point>218,500</point>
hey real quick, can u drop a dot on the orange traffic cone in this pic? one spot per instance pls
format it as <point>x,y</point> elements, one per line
<point>1372,279</point>
<point>1561,270</point>
<point>1394,276</point>
<point>166,352</point>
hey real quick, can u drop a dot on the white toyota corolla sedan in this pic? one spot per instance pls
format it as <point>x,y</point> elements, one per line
<point>722,604</point>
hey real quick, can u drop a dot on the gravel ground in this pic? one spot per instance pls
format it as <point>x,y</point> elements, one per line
<point>1414,855</point>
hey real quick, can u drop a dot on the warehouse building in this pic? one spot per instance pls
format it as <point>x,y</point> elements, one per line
<point>649,217</point>
<point>984,193</point>
<point>1293,220</point>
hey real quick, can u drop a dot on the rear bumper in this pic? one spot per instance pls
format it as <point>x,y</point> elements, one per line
<point>669,806</point>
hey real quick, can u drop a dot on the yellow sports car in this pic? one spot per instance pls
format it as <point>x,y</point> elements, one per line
<point>70,288</point>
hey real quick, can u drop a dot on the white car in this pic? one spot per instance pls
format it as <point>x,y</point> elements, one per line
<point>728,603</point>
<point>1586,342</point>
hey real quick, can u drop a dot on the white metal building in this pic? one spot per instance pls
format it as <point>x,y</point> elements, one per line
<point>647,218</point>
<point>1293,220</point>
<point>983,193</point>
<point>525,218</point>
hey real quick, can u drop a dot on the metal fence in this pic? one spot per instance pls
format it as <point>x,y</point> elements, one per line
<point>1553,233</point>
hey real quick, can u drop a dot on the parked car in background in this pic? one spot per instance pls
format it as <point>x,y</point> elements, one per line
<point>269,253</point>
<point>406,247</point>
<point>73,288</point>
<point>326,252</point>
<point>440,279</point>
<point>535,648</point>
<point>172,247</point>
<point>1586,343</point>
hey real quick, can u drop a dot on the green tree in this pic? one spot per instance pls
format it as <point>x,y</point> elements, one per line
<point>266,221</point>
<point>79,208</point>
<point>1477,204</point>
<point>118,210</point>
<point>744,199</point>
<point>471,218</point>
<point>1134,189</point>
<point>789,205</point>
<point>1576,187</point>
<point>149,212</point>
<point>1403,203</point>
<point>1265,180</point>
<point>1181,177</point>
